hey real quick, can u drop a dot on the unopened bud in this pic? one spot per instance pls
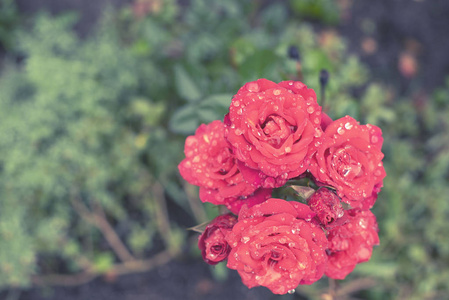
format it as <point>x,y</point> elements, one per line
<point>293,53</point>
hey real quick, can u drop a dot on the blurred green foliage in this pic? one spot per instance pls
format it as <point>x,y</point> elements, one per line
<point>100,123</point>
<point>9,19</point>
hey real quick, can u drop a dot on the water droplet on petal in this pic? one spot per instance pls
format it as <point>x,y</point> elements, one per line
<point>291,291</point>
<point>348,126</point>
<point>374,139</point>
<point>276,92</point>
<point>252,87</point>
<point>340,131</point>
<point>310,109</point>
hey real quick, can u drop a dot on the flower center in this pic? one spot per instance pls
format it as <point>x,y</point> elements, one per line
<point>275,255</point>
<point>217,249</point>
<point>224,162</point>
<point>276,129</point>
<point>345,165</point>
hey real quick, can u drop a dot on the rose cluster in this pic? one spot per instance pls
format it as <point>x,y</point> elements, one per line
<point>275,136</point>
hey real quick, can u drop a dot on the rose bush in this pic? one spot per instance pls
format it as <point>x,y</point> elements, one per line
<point>274,133</point>
<point>212,243</point>
<point>275,244</point>
<point>272,128</point>
<point>351,243</point>
<point>349,158</point>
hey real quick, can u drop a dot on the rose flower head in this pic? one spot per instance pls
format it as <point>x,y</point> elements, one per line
<point>326,205</point>
<point>274,244</point>
<point>211,165</point>
<point>273,127</point>
<point>349,158</point>
<point>351,243</point>
<point>212,243</point>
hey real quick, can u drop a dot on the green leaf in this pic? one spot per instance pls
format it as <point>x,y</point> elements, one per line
<point>185,86</point>
<point>214,107</point>
<point>259,65</point>
<point>185,120</point>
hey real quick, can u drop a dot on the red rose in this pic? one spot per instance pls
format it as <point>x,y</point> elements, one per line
<point>351,243</point>
<point>326,205</point>
<point>272,128</point>
<point>275,245</point>
<point>325,121</point>
<point>235,204</point>
<point>210,164</point>
<point>212,243</point>
<point>349,158</point>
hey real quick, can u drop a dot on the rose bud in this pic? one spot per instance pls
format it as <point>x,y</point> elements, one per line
<point>351,243</point>
<point>273,128</point>
<point>349,158</point>
<point>214,248</point>
<point>326,205</point>
<point>275,244</point>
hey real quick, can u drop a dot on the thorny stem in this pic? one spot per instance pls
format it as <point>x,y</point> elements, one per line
<point>98,219</point>
<point>162,220</point>
<point>332,288</point>
<point>356,285</point>
<point>195,205</point>
<point>129,264</point>
<point>118,269</point>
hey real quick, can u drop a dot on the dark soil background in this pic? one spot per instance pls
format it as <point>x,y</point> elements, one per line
<point>405,44</point>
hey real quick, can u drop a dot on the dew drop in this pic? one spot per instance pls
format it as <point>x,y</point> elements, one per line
<point>292,291</point>
<point>276,92</point>
<point>348,126</point>
<point>252,87</point>
<point>374,139</point>
<point>363,223</point>
<point>236,103</point>
<point>240,111</point>
<point>299,85</point>
<point>340,131</point>
<point>310,110</point>
<point>288,149</point>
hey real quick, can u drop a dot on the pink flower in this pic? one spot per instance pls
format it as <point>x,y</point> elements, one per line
<point>273,127</point>
<point>349,158</point>
<point>210,164</point>
<point>351,243</point>
<point>212,243</point>
<point>275,244</point>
